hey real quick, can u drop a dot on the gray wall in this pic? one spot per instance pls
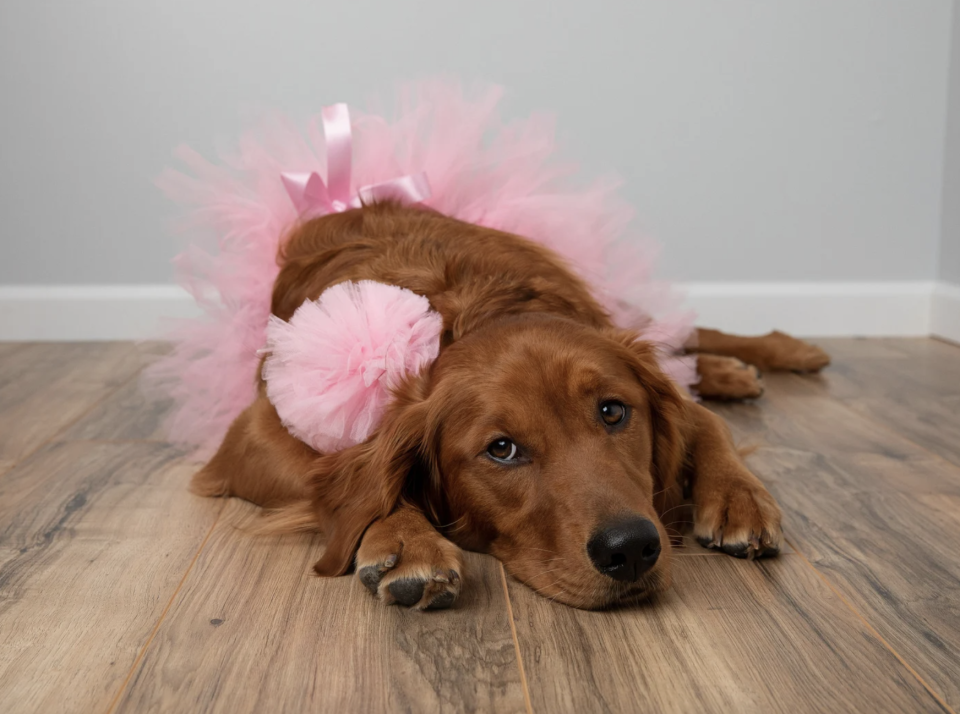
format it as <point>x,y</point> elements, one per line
<point>791,140</point>
<point>950,235</point>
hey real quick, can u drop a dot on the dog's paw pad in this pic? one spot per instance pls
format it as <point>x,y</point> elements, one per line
<point>766,545</point>
<point>434,592</point>
<point>407,592</point>
<point>371,575</point>
<point>707,542</point>
<point>737,550</point>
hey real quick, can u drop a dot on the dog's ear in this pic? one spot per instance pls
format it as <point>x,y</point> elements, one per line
<point>356,486</point>
<point>668,409</point>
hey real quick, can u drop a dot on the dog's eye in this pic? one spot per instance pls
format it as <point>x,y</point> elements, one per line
<point>502,450</point>
<point>612,412</point>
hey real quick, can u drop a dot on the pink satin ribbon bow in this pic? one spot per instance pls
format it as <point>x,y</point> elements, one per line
<point>312,197</point>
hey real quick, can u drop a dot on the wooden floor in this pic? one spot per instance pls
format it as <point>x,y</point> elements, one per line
<point>121,592</point>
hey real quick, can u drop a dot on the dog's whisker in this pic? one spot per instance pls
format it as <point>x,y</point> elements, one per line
<point>555,583</point>
<point>545,572</point>
<point>674,508</point>
<point>447,525</point>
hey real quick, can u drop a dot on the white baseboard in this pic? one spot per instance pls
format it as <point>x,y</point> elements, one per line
<point>893,309</point>
<point>945,312</point>
<point>125,312</point>
<point>89,312</point>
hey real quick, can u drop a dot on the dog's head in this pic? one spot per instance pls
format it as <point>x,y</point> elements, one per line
<point>536,439</point>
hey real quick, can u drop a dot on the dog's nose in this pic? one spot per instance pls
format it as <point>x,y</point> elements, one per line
<point>625,549</point>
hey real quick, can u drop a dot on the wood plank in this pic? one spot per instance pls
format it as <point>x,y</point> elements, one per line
<point>873,454</point>
<point>931,423</point>
<point>8,348</point>
<point>126,414</point>
<point>892,554</point>
<point>46,387</point>
<point>919,376</point>
<point>929,346</point>
<point>133,412</point>
<point>857,499</point>
<point>729,636</point>
<point>918,398</point>
<point>253,631</point>
<point>913,389</point>
<point>862,348</point>
<point>94,541</point>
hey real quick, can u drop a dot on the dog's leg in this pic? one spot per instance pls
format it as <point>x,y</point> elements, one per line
<point>775,351</point>
<point>403,559</point>
<point>258,461</point>
<point>727,378</point>
<point>732,509</point>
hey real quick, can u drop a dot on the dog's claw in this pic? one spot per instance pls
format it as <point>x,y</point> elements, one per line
<point>754,548</point>
<point>442,601</point>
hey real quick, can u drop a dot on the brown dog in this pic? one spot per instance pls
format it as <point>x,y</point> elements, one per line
<point>541,434</point>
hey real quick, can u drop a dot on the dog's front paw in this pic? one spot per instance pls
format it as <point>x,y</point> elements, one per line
<point>727,378</point>
<point>418,570</point>
<point>741,520</point>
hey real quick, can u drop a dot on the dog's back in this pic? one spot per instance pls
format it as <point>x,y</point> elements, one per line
<point>469,273</point>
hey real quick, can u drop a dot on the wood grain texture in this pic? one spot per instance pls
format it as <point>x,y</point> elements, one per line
<point>730,636</point>
<point>44,387</point>
<point>127,414</point>
<point>8,348</point>
<point>914,390</point>
<point>252,630</point>
<point>891,554</point>
<point>872,511</point>
<point>98,536</point>
<point>94,540</point>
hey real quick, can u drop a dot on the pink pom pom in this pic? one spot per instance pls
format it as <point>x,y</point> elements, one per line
<point>332,367</point>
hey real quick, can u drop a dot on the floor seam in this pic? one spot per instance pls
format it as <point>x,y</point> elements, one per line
<point>873,630</point>
<point>156,628</point>
<point>516,640</point>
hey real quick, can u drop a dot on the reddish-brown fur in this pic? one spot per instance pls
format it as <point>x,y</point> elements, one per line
<point>526,353</point>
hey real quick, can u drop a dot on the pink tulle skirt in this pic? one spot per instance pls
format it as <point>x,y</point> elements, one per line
<point>481,169</point>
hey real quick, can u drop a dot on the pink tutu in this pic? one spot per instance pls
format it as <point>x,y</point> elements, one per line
<point>503,175</point>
